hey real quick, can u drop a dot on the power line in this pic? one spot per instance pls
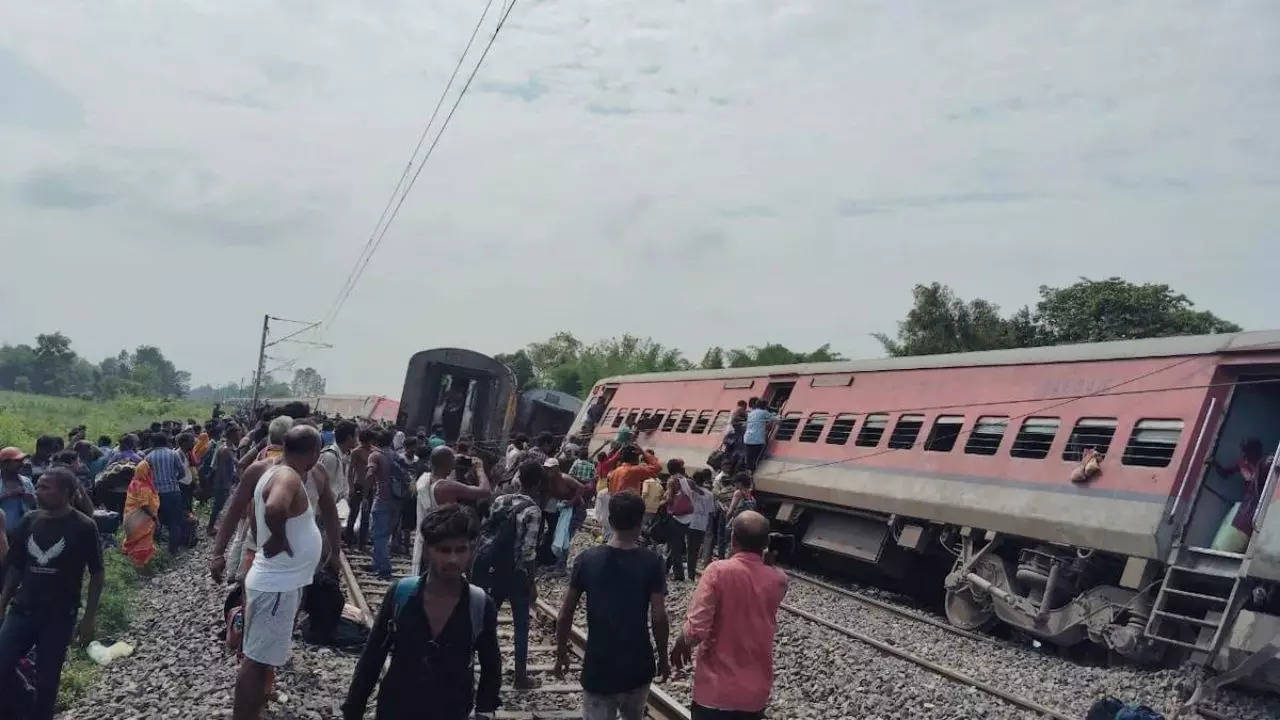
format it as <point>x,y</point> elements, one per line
<point>404,174</point>
<point>372,245</point>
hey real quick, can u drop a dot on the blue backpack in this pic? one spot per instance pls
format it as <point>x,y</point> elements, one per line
<point>407,589</point>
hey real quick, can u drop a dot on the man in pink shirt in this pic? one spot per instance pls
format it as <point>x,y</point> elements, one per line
<point>732,620</point>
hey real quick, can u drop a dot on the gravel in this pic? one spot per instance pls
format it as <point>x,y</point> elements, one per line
<point>181,670</point>
<point>822,674</point>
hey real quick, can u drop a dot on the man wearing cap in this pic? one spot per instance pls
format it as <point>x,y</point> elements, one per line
<point>17,492</point>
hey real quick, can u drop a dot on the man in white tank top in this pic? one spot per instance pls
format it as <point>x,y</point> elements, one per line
<point>437,487</point>
<point>290,548</point>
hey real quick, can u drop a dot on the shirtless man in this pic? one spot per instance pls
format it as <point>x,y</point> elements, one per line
<point>284,521</point>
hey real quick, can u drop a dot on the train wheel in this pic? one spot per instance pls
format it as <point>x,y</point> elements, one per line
<point>967,612</point>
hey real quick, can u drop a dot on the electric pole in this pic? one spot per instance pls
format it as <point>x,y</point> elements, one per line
<point>262,360</point>
<point>263,345</point>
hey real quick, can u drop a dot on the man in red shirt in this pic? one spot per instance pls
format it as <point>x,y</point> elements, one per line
<point>731,623</point>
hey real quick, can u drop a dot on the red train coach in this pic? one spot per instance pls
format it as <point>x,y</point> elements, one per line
<point>894,461</point>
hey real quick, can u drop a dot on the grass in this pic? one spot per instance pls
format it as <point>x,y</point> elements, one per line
<point>25,417</point>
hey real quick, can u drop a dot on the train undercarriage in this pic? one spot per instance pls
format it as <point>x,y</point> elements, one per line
<point>1065,596</point>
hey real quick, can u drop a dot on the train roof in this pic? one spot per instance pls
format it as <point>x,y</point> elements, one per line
<point>1253,341</point>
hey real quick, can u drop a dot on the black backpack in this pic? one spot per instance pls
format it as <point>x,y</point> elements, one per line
<point>494,565</point>
<point>401,480</point>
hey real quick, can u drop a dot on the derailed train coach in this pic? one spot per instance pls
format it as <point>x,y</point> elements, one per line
<point>467,393</point>
<point>473,396</point>
<point>1075,492</point>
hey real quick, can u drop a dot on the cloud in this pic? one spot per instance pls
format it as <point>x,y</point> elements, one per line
<point>871,206</point>
<point>846,150</point>
<point>528,91</point>
<point>31,99</point>
<point>601,109</point>
<point>70,189</point>
<point>747,212</point>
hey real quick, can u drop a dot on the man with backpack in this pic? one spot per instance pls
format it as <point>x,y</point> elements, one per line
<point>507,555</point>
<point>432,626</point>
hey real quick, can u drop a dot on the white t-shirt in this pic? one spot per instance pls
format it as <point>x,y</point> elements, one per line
<point>426,501</point>
<point>704,504</point>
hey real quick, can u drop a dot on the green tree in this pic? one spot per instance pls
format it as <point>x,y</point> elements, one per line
<point>307,382</point>
<point>521,366</point>
<point>1086,311</point>
<point>940,322</point>
<point>713,359</point>
<point>17,361</point>
<point>54,358</point>
<point>1113,309</point>
<point>776,354</point>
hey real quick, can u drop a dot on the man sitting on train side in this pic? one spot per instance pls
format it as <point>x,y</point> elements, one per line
<point>759,420</point>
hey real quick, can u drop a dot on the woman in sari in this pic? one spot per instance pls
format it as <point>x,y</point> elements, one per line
<point>141,504</point>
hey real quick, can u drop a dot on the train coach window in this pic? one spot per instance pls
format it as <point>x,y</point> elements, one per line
<point>719,423</point>
<point>656,423</point>
<point>1093,433</point>
<point>787,428</point>
<point>906,431</point>
<point>987,433</point>
<point>685,421</point>
<point>813,427</point>
<point>611,418</point>
<point>946,429</point>
<point>700,426</point>
<point>1035,437</point>
<point>841,429</point>
<point>1152,443</point>
<point>670,423</point>
<point>872,430</point>
<point>633,417</point>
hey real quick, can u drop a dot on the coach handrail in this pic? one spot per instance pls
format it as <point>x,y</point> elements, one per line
<point>1195,450</point>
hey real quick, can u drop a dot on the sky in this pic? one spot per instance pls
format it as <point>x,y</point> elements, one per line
<point>704,173</point>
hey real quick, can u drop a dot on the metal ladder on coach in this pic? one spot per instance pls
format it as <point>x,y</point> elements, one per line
<point>1202,593</point>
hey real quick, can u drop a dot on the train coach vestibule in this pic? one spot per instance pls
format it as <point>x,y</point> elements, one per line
<point>1235,471</point>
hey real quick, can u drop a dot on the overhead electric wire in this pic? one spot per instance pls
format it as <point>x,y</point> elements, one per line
<point>373,244</point>
<point>351,276</point>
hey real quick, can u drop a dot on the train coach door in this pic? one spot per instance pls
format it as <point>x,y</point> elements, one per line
<point>777,393</point>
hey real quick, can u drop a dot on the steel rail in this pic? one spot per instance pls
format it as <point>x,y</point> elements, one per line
<point>943,670</point>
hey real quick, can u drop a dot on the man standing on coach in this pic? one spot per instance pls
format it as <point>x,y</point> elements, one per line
<point>732,619</point>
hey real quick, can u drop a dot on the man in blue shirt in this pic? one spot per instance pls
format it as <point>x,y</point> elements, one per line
<point>168,466</point>
<point>759,420</point>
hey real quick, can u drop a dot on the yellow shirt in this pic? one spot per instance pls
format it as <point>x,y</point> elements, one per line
<point>652,492</point>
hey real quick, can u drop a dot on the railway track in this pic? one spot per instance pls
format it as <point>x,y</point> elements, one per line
<point>889,648</point>
<point>554,699</point>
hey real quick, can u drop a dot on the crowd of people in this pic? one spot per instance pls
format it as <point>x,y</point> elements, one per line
<point>477,528</point>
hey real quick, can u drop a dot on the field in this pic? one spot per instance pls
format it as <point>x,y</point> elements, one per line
<point>24,417</point>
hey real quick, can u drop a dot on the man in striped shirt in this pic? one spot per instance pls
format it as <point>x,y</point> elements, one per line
<point>168,467</point>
